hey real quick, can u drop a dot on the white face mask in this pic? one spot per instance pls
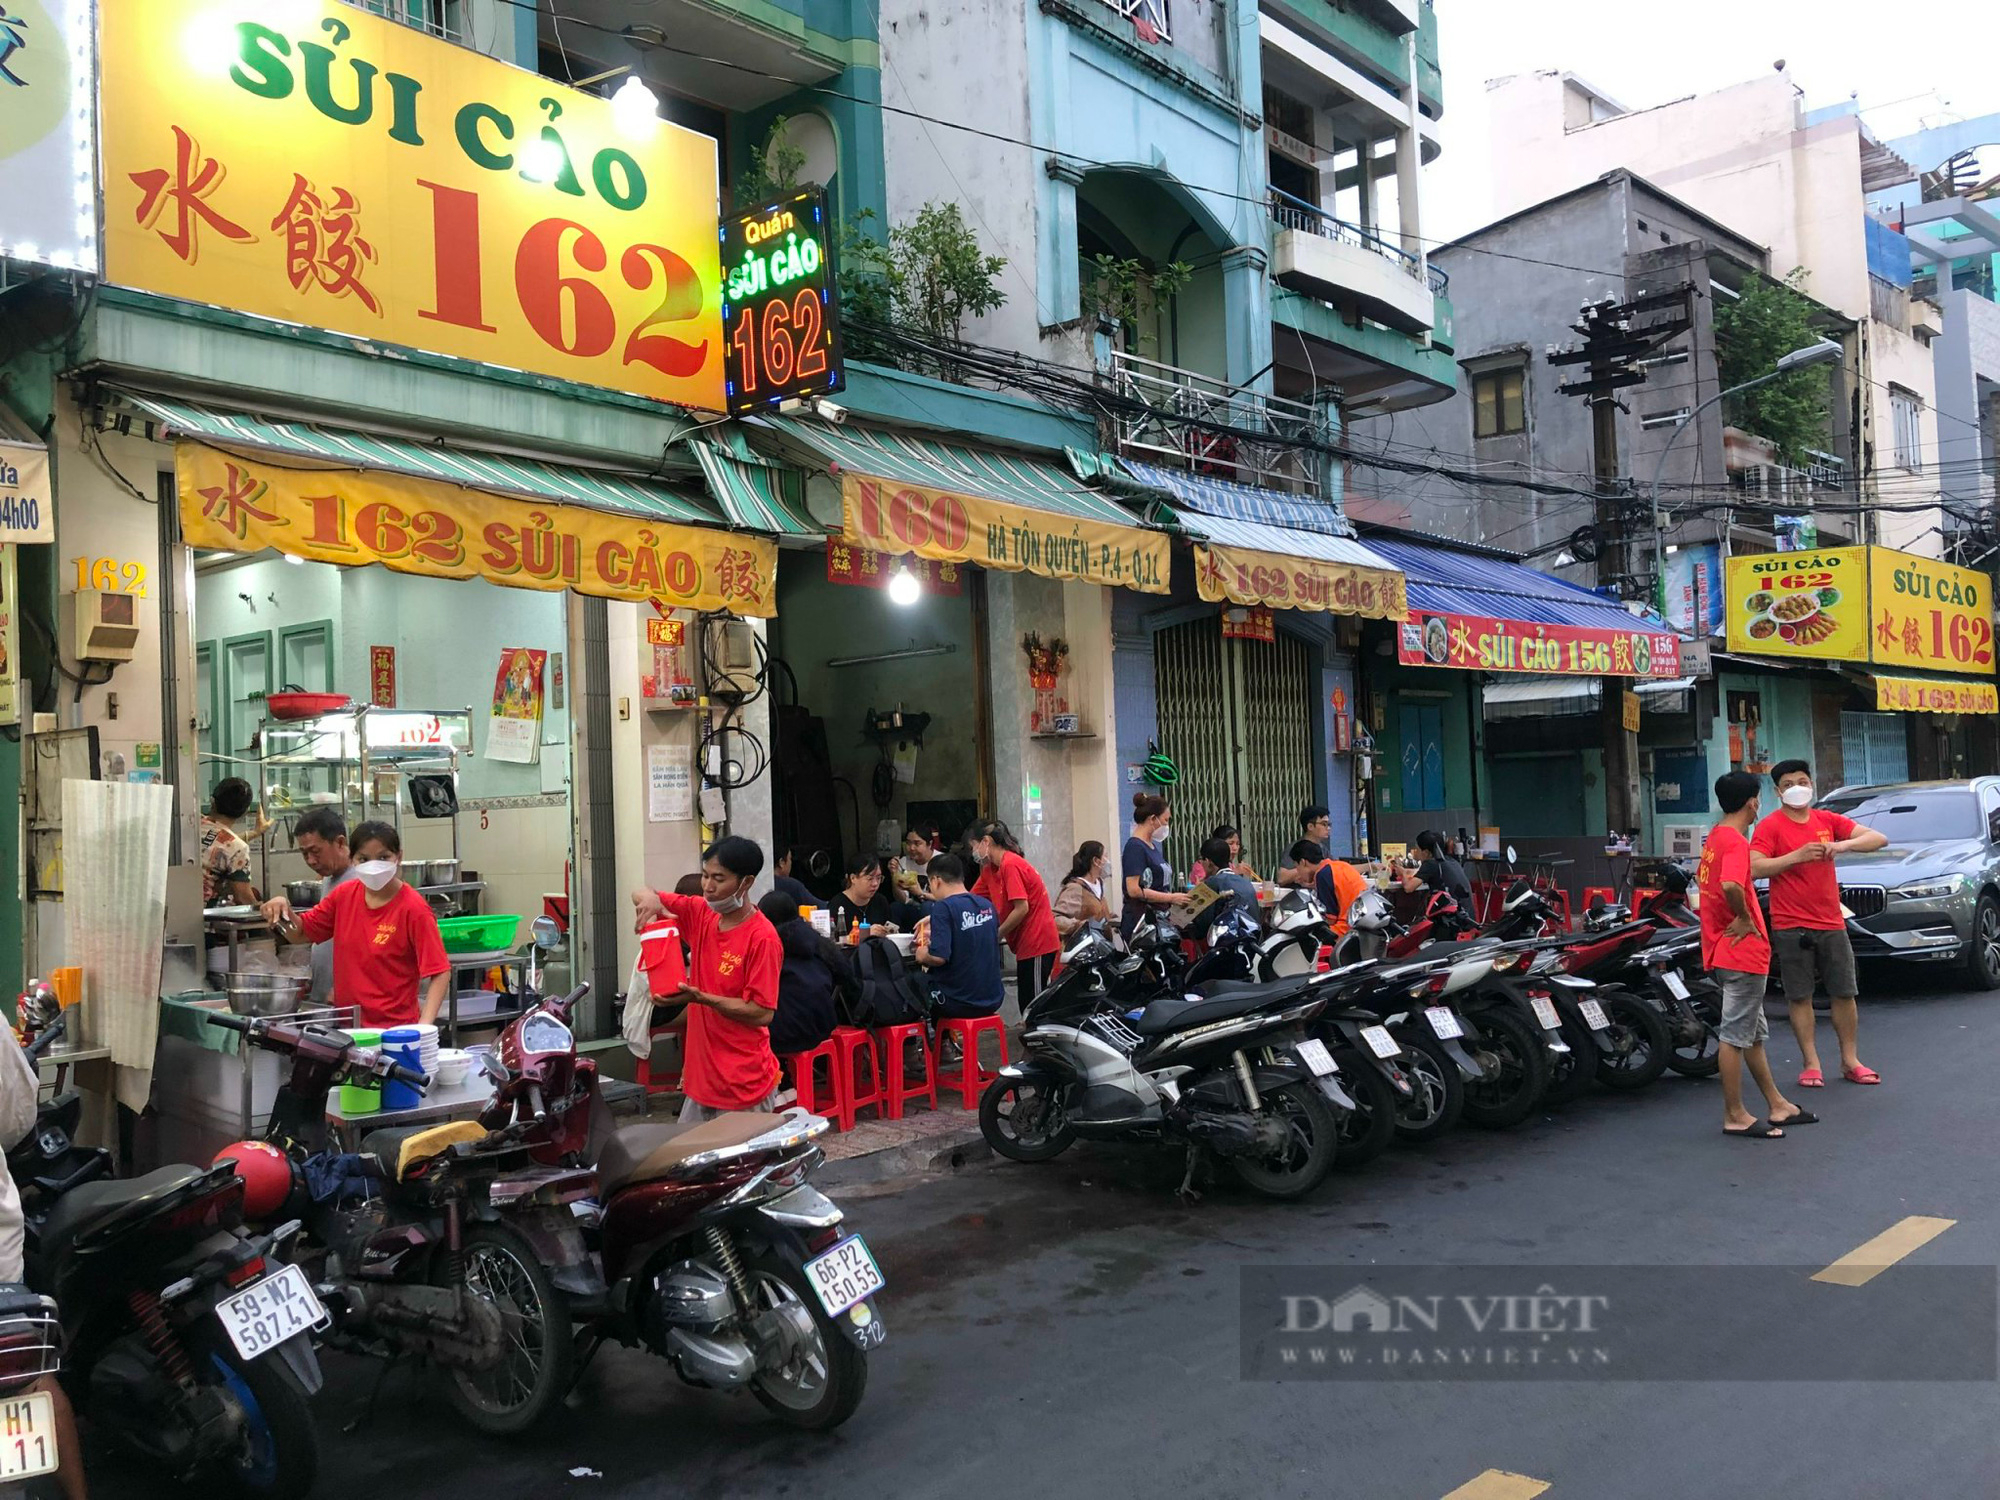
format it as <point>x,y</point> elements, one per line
<point>375,873</point>
<point>1797,795</point>
<point>1159,837</point>
<point>722,906</point>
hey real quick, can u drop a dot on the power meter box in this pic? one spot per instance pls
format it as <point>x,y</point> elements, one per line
<point>107,625</point>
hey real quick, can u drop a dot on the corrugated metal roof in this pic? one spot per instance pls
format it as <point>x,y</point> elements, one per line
<point>1446,582</point>
<point>344,448</point>
<point>1242,502</point>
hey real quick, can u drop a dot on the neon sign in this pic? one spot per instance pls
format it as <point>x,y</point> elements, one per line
<point>780,309</point>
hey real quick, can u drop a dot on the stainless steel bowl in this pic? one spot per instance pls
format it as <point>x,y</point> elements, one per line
<point>263,994</point>
<point>440,872</point>
<point>302,893</point>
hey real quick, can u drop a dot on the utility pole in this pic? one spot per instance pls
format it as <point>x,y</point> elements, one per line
<point>1613,344</point>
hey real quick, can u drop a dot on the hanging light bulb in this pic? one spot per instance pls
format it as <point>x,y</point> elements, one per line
<point>634,106</point>
<point>903,587</point>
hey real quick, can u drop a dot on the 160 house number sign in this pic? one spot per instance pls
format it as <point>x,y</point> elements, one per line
<point>780,311</point>
<point>311,162</point>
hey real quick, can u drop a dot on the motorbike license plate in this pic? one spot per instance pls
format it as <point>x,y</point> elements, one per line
<point>261,1317</point>
<point>29,1445</point>
<point>1545,1012</point>
<point>1380,1041</point>
<point>1444,1025</point>
<point>845,1275</point>
<point>1594,1014</point>
<point>1313,1053</point>
<point>1675,986</point>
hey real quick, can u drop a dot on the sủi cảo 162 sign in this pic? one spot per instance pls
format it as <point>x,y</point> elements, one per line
<point>780,310</point>
<point>308,161</point>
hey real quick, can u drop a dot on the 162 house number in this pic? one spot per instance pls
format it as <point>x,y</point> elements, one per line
<point>110,576</point>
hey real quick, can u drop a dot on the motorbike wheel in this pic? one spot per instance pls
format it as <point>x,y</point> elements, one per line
<point>1311,1147</point>
<point>822,1384</point>
<point>1437,1092</point>
<point>1571,1073</point>
<point>1025,1120</point>
<point>1703,1058</point>
<point>279,1453</point>
<point>1367,1129</point>
<point>1641,1036</point>
<point>1524,1071</point>
<point>540,1364</point>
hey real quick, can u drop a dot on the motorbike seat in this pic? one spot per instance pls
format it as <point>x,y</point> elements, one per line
<point>646,1153</point>
<point>401,1147</point>
<point>1224,1002</point>
<point>81,1207</point>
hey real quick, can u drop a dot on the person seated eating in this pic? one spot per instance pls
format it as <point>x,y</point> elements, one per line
<point>1225,881</point>
<point>959,945</point>
<point>813,971</point>
<point>862,897</point>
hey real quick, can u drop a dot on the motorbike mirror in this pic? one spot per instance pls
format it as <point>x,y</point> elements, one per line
<point>1510,854</point>
<point>547,934</point>
<point>492,1067</point>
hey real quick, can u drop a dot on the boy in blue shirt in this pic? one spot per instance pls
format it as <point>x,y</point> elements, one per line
<point>959,944</point>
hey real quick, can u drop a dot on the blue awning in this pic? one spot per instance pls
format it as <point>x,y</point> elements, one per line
<point>1460,583</point>
<point>1242,502</point>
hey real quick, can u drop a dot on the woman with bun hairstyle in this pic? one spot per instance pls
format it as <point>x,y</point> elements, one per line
<point>1149,880</point>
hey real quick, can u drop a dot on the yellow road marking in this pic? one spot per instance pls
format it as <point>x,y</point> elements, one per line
<point>1498,1484</point>
<point>1861,1266</point>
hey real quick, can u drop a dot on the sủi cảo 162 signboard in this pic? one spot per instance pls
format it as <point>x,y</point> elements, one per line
<point>780,307</point>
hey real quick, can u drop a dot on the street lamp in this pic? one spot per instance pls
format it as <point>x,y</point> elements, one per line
<point>1821,352</point>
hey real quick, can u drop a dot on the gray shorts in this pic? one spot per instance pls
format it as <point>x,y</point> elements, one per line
<point>1807,955</point>
<point>1743,1023</point>
<point>700,1114</point>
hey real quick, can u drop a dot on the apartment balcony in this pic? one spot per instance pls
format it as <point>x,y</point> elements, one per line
<point>1373,37</point>
<point>1344,264</point>
<point>773,47</point>
<point>1378,370</point>
<point>1184,420</point>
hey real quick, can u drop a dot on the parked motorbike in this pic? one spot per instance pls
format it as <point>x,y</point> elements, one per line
<point>1233,1074</point>
<point>716,1253</point>
<point>31,1347</point>
<point>434,1240</point>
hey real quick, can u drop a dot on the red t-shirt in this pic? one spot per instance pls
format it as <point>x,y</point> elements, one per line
<point>380,953</point>
<point>729,1065</point>
<point>1806,895</point>
<point>1016,880</point>
<point>1725,860</point>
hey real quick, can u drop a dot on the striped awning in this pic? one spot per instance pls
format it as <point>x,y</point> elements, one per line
<point>754,492</point>
<point>904,458</point>
<point>1224,499</point>
<point>344,448</point>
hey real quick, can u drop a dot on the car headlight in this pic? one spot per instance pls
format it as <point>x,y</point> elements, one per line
<point>1932,888</point>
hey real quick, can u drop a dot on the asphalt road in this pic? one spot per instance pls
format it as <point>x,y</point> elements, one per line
<point>1071,1329</point>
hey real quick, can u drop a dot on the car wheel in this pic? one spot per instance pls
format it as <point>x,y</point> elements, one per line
<point>1983,961</point>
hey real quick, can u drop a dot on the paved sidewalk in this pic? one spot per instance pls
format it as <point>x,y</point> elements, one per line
<point>924,1140</point>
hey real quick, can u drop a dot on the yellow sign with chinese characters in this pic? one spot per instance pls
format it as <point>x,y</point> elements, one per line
<point>1808,605</point>
<point>352,517</point>
<point>1926,613</point>
<point>1926,695</point>
<point>307,161</point>
<point>1233,575</point>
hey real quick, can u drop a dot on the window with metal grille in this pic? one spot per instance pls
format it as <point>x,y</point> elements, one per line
<point>1874,749</point>
<point>1499,404</point>
<point>1148,18</point>
<point>438,17</point>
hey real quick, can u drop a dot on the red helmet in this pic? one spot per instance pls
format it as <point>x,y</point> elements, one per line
<point>267,1176</point>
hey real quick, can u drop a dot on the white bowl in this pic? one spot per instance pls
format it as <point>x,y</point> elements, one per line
<point>452,1067</point>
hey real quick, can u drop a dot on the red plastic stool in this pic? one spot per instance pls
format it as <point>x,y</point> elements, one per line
<point>851,1047</point>
<point>1609,895</point>
<point>802,1068</point>
<point>890,1040</point>
<point>969,1079</point>
<point>662,1080</point>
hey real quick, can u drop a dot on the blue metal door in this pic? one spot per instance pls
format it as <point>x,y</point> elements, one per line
<point>1422,726</point>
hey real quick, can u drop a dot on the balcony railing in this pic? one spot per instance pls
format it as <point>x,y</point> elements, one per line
<point>1178,418</point>
<point>1308,218</point>
<point>1145,15</point>
<point>424,15</point>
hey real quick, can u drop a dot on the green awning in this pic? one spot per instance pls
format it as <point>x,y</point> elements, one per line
<point>904,458</point>
<point>345,448</point>
<point>753,491</point>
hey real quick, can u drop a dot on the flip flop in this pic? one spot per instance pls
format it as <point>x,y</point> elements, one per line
<point>1763,1130</point>
<point>1803,1117</point>
<point>1861,1075</point>
<point>1810,1079</point>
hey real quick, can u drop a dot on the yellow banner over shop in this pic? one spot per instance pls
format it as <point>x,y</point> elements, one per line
<point>1233,575</point>
<point>437,530</point>
<point>1926,613</point>
<point>1809,605</point>
<point>1929,695</point>
<point>906,519</point>
<point>308,161</point>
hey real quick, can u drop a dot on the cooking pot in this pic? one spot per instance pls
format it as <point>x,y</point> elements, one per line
<point>302,894</point>
<point>267,994</point>
<point>439,872</point>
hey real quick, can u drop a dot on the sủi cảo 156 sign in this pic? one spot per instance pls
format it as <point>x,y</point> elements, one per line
<point>1481,643</point>
<point>780,312</point>
<point>305,160</point>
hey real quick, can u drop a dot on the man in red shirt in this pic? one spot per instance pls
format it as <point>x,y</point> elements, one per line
<point>1736,950</point>
<point>732,988</point>
<point>385,936</point>
<point>1015,889</point>
<point>1794,849</point>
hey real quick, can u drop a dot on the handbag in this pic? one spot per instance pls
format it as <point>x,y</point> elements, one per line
<point>637,1021</point>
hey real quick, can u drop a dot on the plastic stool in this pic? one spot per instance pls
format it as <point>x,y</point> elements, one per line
<point>969,1079</point>
<point>662,1080</point>
<point>896,1090</point>
<point>803,1069</point>
<point>1608,894</point>
<point>851,1047</point>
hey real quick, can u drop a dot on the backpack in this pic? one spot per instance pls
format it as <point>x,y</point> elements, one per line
<point>887,992</point>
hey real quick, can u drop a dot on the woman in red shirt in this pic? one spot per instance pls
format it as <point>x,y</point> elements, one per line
<point>385,936</point>
<point>732,986</point>
<point>1015,889</point>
